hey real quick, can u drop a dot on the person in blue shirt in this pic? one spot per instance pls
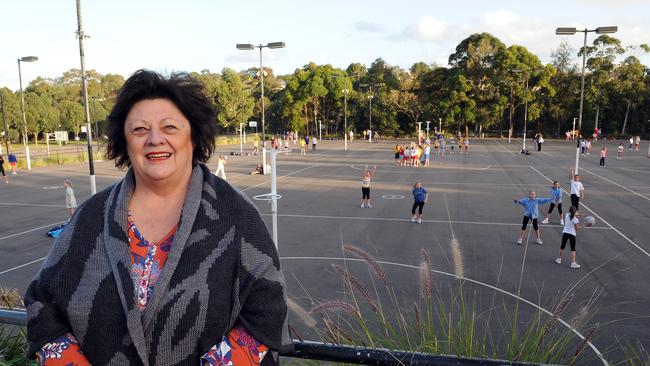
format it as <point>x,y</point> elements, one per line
<point>556,196</point>
<point>531,213</point>
<point>420,197</point>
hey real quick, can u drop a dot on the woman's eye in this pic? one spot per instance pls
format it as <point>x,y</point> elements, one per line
<point>139,130</point>
<point>170,128</point>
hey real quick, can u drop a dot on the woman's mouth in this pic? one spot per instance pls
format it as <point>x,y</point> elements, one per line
<point>158,155</point>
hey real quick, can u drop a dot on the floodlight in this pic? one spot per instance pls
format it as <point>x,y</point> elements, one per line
<point>565,31</point>
<point>605,30</point>
<point>245,46</point>
<point>275,45</point>
<point>28,59</point>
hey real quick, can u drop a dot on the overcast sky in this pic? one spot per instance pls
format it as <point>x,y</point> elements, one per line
<point>192,35</point>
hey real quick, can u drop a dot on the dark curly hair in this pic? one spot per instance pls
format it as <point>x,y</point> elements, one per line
<point>179,88</point>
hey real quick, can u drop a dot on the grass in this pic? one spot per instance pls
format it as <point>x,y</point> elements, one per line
<point>12,339</point>
<point>450,318</point>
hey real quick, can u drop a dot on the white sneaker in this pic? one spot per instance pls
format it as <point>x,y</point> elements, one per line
<point>558,260</point>
<point>575,265</point>
<point>519,241</point>
<point>545,221</point>
<point>369,205</point>
<point>419,221</point>
<point>539,241</point>
<point>413,219</point>
<point>561,221</point>
<point>362,205</point>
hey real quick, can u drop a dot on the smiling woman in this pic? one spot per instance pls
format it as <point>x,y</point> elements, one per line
<point>170,266</point>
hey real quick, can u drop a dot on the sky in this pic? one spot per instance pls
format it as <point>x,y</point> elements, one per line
<point>194,35</point>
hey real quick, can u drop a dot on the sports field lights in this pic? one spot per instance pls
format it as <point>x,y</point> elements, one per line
<point>565,31</point>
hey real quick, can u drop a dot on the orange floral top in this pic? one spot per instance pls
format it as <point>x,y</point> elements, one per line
<point>147,260</point>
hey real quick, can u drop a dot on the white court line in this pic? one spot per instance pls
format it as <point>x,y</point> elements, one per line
<point>636,170</point>
<point>547,312</point>
<point>504,148</point>
<point>30,230</point>
<point>22,265</point>
<point>547,154</point>
<point>616,184</point>
<point>600,218</point>
<point>423,220</point>
<point>28,204</point>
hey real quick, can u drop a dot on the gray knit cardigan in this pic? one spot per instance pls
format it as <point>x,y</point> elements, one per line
<point>223,269</point>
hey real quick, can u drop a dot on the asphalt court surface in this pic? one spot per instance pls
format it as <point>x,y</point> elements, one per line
<point>470,199</point>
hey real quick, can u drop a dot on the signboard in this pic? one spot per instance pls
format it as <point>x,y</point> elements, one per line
<point>252,124</point>
<point>61,135</point>
<point>83,129</point>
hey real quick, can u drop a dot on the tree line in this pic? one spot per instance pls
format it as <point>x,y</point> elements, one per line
<point>483,89</point>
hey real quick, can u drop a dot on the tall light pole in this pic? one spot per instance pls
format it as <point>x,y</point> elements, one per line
<point>370,96</point>
<point>84,88</point>
<point>572,31</point>
<point>370,118</point>
<point>271,45</point>
<point>22,107</point>
<point>428,129</point>
<point>345,118</point>
<point>419,132</point>
<point>526,78</point>
<point>4,122</point>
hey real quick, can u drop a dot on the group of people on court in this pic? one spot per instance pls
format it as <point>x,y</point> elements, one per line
<point>569,221</point>
<point>419,154</point>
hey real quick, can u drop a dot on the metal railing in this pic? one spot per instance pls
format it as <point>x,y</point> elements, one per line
<point>319,351</point>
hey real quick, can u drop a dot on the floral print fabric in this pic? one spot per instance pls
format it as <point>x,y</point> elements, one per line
<point>147,261</point>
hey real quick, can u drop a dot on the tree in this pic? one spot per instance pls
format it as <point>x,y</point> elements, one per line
<point>234,102</point>
<point>480,59</point>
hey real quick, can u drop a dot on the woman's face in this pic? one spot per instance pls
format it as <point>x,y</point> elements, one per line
<point>418,185</point>
<point>158,140</point>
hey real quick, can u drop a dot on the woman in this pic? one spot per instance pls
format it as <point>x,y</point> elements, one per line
<point>70,199</point>
<point>420,197</point>
<point>170,266</point>
<point>569,234</point>
<point>365,186</point>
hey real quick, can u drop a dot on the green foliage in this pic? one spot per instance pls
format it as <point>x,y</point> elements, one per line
<point>478,91</point>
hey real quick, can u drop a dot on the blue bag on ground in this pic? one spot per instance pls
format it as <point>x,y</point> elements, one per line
<point>56,231</point>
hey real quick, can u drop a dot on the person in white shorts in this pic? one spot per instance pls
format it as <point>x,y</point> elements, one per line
<point>571,224</point>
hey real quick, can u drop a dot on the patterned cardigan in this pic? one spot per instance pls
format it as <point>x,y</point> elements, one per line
<point>222,270</point>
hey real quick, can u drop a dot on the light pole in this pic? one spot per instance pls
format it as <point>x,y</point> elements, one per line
<point>320,129</point>
<point>440,125</point>
<point>271,45</point>
<point>241,140</point>
<point>428,129</point>
<point>419,132</point>
<point>4,122</point>
<point>572,31</point>
<point>84,88</point>
<point>370,119</point>
<point>370,96</point>
<point>345,118</point>
<point>22,107</point>
<point>526,77</point>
